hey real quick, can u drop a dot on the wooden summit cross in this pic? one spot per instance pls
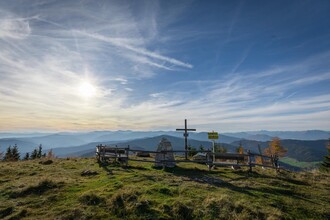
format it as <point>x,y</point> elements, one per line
<point>185,134</point>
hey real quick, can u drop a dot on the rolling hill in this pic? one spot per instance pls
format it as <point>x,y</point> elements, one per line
<point>307,151</point>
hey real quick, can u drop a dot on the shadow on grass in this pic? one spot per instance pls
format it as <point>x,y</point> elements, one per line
<point>39,189</point>
<point>206,177</point>
<point>198,175</point>
<point>264,176</point>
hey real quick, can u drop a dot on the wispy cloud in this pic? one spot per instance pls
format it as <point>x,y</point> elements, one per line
<point>17,28</point>
<point>150,68</point>
<point>140,51</point>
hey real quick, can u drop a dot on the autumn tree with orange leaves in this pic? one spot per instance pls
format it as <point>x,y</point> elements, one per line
<point>275,148</point>
<point>240,149</point>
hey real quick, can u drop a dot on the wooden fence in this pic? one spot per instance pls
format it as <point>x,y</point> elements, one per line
<point>123,155</point>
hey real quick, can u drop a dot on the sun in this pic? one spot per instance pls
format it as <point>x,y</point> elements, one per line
<point>87,90</point>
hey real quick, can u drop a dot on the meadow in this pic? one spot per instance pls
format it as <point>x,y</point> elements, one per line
<point>80,188</point>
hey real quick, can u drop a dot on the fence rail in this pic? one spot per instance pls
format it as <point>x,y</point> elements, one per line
<point>123,155</point>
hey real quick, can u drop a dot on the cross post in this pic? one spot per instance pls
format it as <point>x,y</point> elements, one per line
<point>185,134</point>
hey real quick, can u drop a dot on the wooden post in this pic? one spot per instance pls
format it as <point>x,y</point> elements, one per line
<point>208,160</point>
<point>116,154</point>
<point>103,153</point>
<point>127,152</point>
<point>213,150</point>
<point>249,161</point>
<point>164,160</point>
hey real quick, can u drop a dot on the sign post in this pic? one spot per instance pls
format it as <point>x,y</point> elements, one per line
<point>213,136</point>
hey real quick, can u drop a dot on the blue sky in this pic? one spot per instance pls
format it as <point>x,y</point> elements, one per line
<point>143,65</point>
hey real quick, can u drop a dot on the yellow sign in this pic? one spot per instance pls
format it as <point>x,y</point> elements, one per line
<point>213,135</point>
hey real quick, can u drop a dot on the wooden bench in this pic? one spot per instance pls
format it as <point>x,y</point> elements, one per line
<point>104,153</point>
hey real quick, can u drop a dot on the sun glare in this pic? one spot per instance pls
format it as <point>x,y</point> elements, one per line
<point>87,90</point>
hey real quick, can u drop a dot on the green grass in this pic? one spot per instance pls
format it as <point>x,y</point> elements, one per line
<point>29,190</point>
<point>300,164</point>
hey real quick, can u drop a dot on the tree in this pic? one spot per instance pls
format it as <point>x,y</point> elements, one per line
<point>8,154</point>
<point>201,148</point>
<point>34,154</point>
<point>39,154</point>
<point>192,151</point>
<point>27,156</point>
<point>325,165</point>
<point>1,154</point>
<point>219,149</point>
<point>275,148</point>
<point>50,154</point>
<point>15,153</point>
<point>240,148</point>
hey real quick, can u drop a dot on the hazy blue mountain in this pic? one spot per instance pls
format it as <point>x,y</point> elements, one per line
<point>202,136</point>
<point>297,135</point>
<point>129,135</point>
<point>21,135</point>
<point>259,137</point>
<point>71,151</point>
<point>56,140</point>
<point>143,143</point>
<point>80,141</point>
<point>250,136</point>
<point>23,146</point>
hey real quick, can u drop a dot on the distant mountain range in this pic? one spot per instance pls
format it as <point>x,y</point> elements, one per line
<point>302,145</point>
<point>137,144</point>
<point>267,135</point>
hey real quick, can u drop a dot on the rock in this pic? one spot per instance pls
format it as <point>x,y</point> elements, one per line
<point>236,167</point>
<point>166,159</point>
<point>89,173</point>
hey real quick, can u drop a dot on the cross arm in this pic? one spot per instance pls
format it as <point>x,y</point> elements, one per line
<point>182,129</point>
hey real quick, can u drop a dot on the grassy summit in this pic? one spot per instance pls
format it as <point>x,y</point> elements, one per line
<point>31,190</point>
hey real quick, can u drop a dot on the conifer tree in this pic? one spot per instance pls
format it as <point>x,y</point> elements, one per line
<point>325,166</point>
<point>34,154</point>
<point>192,151</point>
<point>8,155</point>
<point>1,154</point>
<point>39,154</point>
<point>219,149</point>
<point>27,156</point>
<point>15,153</point>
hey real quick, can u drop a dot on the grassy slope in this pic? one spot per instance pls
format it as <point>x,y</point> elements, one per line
<point>300,164</point>
<point>34,191</point>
